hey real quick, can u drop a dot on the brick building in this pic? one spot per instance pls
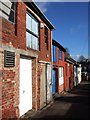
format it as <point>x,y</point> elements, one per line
<point>58,72</point>
<point>25,58</point>
<point>70,72</point>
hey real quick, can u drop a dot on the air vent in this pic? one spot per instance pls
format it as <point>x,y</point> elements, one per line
<point>9,59</point>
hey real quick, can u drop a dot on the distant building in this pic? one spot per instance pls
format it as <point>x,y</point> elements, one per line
<point>58,70</point>
<point>70,74</point>
<point>85,69</point>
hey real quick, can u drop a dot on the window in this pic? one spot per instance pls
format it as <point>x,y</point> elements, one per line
<point>60,55</point>
<point>32,34</point>
<point>7,10</point>
<point>60,71</point>
<point>54,53</point>
<point>46,36</point>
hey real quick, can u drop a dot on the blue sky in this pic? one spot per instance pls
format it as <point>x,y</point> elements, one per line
<point>71,22</point>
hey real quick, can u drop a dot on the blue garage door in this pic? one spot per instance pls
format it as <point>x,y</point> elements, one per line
<point>53,81</point>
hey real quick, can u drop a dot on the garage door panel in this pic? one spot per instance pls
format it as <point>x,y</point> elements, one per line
<point>25,86</point>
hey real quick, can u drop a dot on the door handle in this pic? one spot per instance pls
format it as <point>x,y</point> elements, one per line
<point>23,91</point>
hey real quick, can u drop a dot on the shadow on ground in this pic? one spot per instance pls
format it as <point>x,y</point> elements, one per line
<point>74,105</point>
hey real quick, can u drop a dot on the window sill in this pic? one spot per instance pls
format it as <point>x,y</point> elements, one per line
<point>32,49</point>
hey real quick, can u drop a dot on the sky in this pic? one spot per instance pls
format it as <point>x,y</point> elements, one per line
<point>71,22</point>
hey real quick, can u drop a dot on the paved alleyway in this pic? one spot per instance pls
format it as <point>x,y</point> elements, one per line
<point>72,105</point>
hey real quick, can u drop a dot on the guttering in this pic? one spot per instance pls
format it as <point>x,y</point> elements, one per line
<point>54,42</point>
<point>70,61</point>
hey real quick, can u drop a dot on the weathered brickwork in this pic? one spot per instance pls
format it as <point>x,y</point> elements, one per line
<point>45,54</point>
<point>10,91</point>
<point>34,83</point>
<point>14,38</point>
<point>1,78</point>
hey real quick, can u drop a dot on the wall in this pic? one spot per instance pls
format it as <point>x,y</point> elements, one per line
<point>57,64</point>
<point>14,39</point>
<point>44,54</point>
<point>10,91</point>
<point>69,77</point>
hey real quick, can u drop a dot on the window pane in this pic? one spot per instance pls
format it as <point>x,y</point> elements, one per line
<point>62,71</point>
<point>54,53</point>
<point>34,42</point>
<point>28,22</point>
<point>28,39</point>
<point>60,54</point>
<point>34,26</point>
<point>11,16</point>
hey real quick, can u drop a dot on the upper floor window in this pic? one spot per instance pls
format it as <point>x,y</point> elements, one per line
<point>7,10</point>
<point>54,53</point>
<point>60,55</point>
<point>46,36</point>
<point>32,34</point>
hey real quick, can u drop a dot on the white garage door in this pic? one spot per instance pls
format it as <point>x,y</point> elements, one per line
<point>25,86</point>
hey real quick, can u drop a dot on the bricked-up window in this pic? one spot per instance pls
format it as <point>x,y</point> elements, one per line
<point>60,54</point>
<point>32,34</point>
<point>9,59</point>
<point>46,36</point>
<point>7,10</point>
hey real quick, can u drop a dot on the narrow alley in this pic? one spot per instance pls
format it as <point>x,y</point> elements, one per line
<point>71,105</point>
<point>44,60</point>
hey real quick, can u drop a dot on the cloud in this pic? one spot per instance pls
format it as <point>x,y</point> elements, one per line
<point>76,57</point>
<point>43,6</point>
<point>77,28</point>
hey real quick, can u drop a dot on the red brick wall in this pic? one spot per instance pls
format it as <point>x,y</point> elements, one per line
<point>69,77</point>
<point>35,84</point>
<point>10,91</point>
<point>44,54</point>
<point>16,34</point>
<point>60,63</point>
<point>10,87</point>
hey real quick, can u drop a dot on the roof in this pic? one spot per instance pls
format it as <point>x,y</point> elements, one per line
<point>85,61</point>
<point>37,10</point>
<point>70,60</point>
<point>58,45</point>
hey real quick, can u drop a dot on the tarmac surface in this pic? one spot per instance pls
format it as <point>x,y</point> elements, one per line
<point>72,105</point>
